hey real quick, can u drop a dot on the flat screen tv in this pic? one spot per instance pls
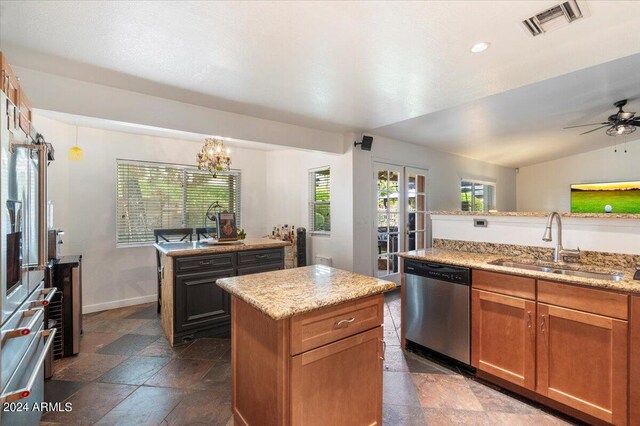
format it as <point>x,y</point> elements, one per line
<point>606,197</point>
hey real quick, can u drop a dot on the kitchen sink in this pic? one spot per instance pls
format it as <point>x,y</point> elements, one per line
<point>613,276</point>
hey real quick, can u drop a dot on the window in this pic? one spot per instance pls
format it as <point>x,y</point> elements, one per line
<point>158,195</point>
<point>476,196</point>
<point>320,200</point>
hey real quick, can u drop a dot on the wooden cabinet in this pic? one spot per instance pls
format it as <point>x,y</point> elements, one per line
<point>567,344</point>
<point>339,383</point>
<point>504,337</point>
<point>582,361</point>
<point>192,303</point>
<point>200,302</point>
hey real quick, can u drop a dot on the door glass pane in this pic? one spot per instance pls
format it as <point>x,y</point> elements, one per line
<point>382,266</point>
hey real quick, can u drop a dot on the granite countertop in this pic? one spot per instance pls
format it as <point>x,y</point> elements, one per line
<point>537,214</point>
<point>289,292</point>
<point>482,261</point>
<point>190,248</point>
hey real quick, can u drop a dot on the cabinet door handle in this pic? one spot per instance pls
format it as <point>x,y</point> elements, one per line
<point>345,322</point>
<point>529,320</point>
<point>384,349</point>
<point>542,324</point>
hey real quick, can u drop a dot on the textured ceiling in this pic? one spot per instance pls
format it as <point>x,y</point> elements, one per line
<point>330,65</point>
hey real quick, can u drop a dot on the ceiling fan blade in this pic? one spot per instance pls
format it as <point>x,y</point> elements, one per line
<point>583,125</point>
<point>593,130</point>
<point>634,123</point>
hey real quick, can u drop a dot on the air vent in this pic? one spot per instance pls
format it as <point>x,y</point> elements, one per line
<point>555,17</point>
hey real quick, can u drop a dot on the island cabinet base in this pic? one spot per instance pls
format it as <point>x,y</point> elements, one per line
<point>319,368</point>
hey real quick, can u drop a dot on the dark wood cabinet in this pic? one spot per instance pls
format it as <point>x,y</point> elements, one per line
<point>200,302</point>
<point>193,305</point>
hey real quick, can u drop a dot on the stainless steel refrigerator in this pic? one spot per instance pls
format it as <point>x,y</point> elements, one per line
<point>23,260</point>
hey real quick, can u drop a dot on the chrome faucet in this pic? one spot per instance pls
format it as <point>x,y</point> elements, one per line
<point>559,251</point>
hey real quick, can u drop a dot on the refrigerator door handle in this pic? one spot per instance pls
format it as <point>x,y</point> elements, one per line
<point>24,392</point>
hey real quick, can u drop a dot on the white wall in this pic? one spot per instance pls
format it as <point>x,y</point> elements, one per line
<point>594,234</point>
<point>445,173</point>
<point>288,200</point>
<point>546,186</point>
<point>84,197</point>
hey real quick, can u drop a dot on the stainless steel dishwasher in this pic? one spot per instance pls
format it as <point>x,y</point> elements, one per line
<point>437,308</point>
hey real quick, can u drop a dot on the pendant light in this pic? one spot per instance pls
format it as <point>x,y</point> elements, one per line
<point>75,152</point>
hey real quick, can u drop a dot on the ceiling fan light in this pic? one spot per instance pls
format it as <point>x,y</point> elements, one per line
<point>621,129</point>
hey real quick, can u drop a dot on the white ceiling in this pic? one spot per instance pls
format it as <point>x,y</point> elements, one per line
<point>329,65</point>
<point>525,126</point>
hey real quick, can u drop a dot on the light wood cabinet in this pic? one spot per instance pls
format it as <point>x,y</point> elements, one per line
<point>335,380</point>
<point>566,344</point>
<point>503,337</point>
<point>339,383</point>
<point>582,361</point>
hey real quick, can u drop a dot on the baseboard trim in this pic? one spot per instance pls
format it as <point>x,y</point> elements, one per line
<point>97,307</point>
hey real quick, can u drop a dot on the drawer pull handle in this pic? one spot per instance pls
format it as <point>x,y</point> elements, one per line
<point>205,262</point>
<point>35,315</point>
<point>48,293</point>
<point>345,322</point>
<point>261,256</point>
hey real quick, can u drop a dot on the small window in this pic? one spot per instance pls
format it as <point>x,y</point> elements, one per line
<point>320,200</point>
<point>157,195</point>
<point>477,196</point>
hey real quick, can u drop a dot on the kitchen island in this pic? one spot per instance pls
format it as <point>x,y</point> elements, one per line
<point>193,305</point>
<point>307,347</point>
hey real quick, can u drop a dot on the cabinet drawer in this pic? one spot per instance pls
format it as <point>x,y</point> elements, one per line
<point>250,257</point>
<point>314,329</point>
<point>599,302</point>
<point>204,263</point>
<point>248,270</point>
<point>511,285</point>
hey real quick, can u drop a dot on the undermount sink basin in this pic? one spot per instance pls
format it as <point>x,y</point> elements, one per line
<point>614,276</point>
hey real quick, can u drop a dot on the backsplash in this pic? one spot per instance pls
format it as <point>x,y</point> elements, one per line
<point>612,260</point>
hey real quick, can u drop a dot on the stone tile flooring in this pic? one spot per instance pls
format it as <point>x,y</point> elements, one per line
<point>127,374</point>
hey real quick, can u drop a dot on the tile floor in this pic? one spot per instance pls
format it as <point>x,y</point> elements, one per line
<point>127,374</point>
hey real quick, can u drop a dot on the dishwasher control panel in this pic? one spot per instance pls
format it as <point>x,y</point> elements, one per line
<point>438,271</point>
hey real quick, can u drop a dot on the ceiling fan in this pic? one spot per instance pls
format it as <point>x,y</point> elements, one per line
<point>621,123</point>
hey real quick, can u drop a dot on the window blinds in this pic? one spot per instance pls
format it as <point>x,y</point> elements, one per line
<point>156,195</point>
<point>320,200</point>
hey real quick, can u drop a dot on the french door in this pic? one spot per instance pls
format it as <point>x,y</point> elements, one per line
<point>400,216</point>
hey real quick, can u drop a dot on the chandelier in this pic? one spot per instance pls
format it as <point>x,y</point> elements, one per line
<point>214,156</point>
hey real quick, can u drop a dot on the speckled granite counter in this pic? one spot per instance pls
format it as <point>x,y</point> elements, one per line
<point>191,248</point>
<point>538,214</point>
<point>282,294</point>
<point>482,261</point>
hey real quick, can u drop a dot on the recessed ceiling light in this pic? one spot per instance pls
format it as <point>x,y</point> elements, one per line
<point>480,47</point>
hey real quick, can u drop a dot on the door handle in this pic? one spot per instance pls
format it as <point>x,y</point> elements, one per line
<point>542,324</point>
<point>384,349</point>
<point>529,320</point>
<point>25,392</point>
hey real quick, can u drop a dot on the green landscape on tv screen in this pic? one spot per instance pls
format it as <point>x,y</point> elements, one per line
<point>610,197</point>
